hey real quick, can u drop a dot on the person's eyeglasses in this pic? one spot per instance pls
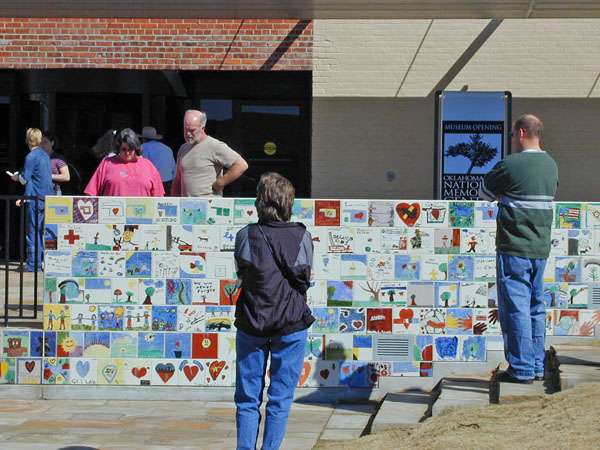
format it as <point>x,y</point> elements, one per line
<point>126,149</point>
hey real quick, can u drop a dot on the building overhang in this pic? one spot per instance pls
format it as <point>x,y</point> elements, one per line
<point>303,9</point>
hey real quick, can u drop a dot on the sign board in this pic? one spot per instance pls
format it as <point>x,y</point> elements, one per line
<point>471,136</point>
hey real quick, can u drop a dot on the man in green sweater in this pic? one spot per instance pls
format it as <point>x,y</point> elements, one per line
<point>524,183</point>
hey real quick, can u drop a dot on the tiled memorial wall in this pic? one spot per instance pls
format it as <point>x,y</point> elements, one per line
<point>141,291</point>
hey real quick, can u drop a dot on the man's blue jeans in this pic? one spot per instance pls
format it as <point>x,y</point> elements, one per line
<point>287,354</point>
<point>522,313</point>
<point>31,237</point>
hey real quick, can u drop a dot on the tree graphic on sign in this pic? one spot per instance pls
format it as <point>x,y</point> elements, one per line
<point>478,152</point>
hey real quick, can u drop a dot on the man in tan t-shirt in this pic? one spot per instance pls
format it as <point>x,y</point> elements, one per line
<point>200,161</point>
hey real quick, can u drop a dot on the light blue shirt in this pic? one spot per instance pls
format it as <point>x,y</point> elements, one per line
<point>162,158</point>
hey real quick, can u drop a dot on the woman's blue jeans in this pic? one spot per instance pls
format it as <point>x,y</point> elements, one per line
<point>522,313</point>
<point>31,237</point>
<point>287,354</point>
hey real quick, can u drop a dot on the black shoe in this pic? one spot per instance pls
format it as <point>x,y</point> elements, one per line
<point>505,377</point>
<point>538,378</point>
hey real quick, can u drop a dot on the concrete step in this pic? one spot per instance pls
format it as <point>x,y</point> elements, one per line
<point>402,408</point>
<point>461,391</point>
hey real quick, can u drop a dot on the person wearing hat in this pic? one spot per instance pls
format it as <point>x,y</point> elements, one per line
<point>160,155</point>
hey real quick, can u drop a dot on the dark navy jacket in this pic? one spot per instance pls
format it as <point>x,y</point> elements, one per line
<point>271,303</point>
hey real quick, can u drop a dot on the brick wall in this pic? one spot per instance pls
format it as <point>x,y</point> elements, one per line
<point>156,44</point>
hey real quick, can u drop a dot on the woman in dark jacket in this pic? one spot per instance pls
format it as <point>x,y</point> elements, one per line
<point>274,259</point>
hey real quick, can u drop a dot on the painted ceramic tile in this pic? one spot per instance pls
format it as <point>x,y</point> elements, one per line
<point>96,344</point>
<point>379,320</point>
<point>137,317</point>
<point>588,321</point>
<point>153,291</point>
<point>180,238</point>
<point>70,344</point>
<point>461,268</point>
<point>139,210</point>
<point>192,265</point>
<point>578,296</point>
<point>84,371</point>
<point>380,213</point>
<point>355,212</point>
<point>338,347</point>
<point>474,240</point>
<point>123,345</point>
<point>485,268</point>
<point>111,264</point>
<point>244,211</point>
<point>327,266</point>
<point>193,211</point>
<point>376,370</point>
<point>219,211</point>
<point>165,264</point>
<point>420,294</point>
<point>153,237</point>
<point>405,369</point>
<point>363,347</point>
<point>227,346</point>
<point>202,291</point>
<point>550,269</point>
<point>85,209</point>
<point>70,236</point>
<point>435,214</point>
<point>102,237</point>
<point>434,267</point>
<point>85,264</point>
<point>339,293</point>
<point>42,343</point>
<point>367,240</point>
<point>68,290</point>
<point>316,295</point>
<point>305,375</point>
<point>353,374</point>
<point>568,269</point>
<point>590,269</point>
<point>57,317</point>
<point>558,240</point>
<point>320,239</point>
<point>179,291</point>
<point>592,213</point>
<point>110,318</point>
<point>7,370</point>
<point>393,293</point>
<point>446,241</point>
<point>580,242</point>
<point>111,210</point>
<point>206,239</point>
<point>340,240</point>
<point>205,345</point>
<point>485,214</point>
<point>166,210</point>
<point>315,347</point>
<point>327,213</point>
<point>420,241</point>
<point>380,267</point>
<point>565,322</point>
<point>219,318</point>
<point>56,371</point>
<point>462,214</point>
<point>126,237</point>
<point>425,369</point>
<point>219,373</point>
<point>366,293</point>
<point>459,321</point>
<point>492,295</point>
<point>51,236</point>
<point>111,372</point>
<point>473,348</point>
<point>393,240</point>
<point>303,211</point>
<point>433,321</point>
<point>445,348</point>
<point>352,320</point>
<point>228,234</point>
<point>407,214</point>
<point>326,373</point>
<point>190,318</point>
<point>473,295</point>
<point>353,267</point>
<point>124,290</point>
<point>178,345</point>
<point>191,372</point>
<point>446,295</point>
<point>407,267</point>
<point>164,372</point>
<point>151,345</point>
<point>57,264</point>
<point>326,320</point>
<point>567,215</point>
<point>84,317</point>
<point>164,318</point>
<point>423,348</point>
<point>405,321</point>
<point>219,265</point>
<point>58,210</point>
<point>486,322</point>
<point>15,343</point>
<point>137,372</point>
<point>138,264</point>
<point>229,291</point>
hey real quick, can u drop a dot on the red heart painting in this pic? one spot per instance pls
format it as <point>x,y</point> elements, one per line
<point>191,372</point>
<point>139,372</point>
<point>409,214</point>
<point>324,374</point>
<point>115,211</point>
<point>29,365</point>
<point>359,215</point>
<point>165,371</point>
<point>405,317</point>
<point>357,324</point>
<point>215,368</point>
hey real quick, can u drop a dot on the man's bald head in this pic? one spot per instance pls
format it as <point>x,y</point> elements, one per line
<point>194,122</point>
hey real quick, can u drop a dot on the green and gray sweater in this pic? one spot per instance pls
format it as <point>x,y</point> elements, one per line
<point>525,184</point>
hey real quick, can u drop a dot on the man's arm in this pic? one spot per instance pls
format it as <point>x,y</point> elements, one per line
<point>176,186</point>
<point>233,173</point>
<point>493,184</point>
